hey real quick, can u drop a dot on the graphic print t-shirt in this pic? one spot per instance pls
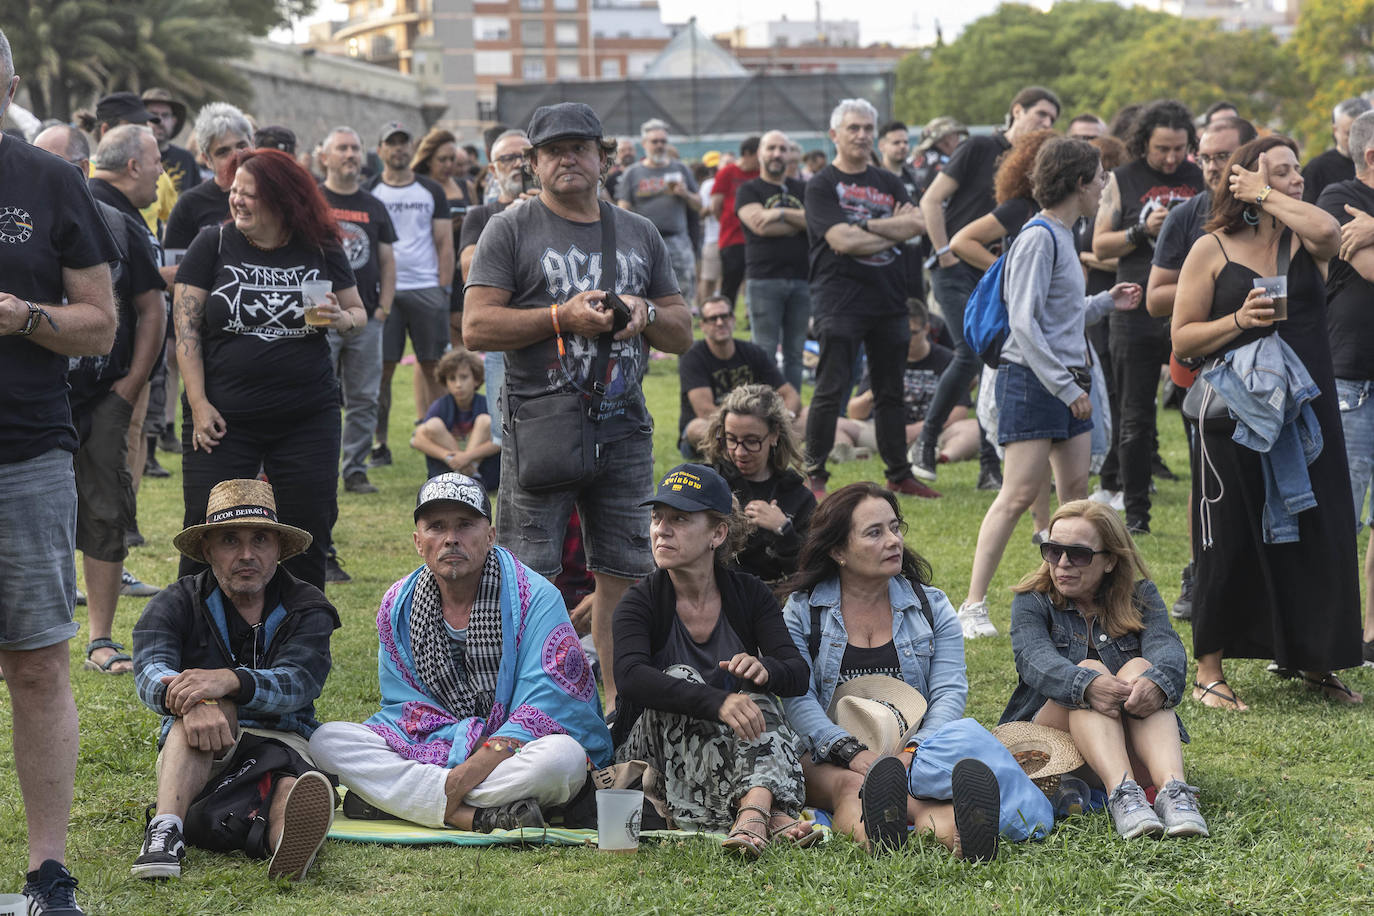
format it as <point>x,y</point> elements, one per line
<point>1140,187</point>
<point>413,209</point>
<point>700,368</point>
<point>646,188</point>
<point>768,257</point>
<point>363,222</point>
<point>841,284</point>
<point>919,381</point>
<point>180,166</point>
<point>260,356</point>
<point>542,258</point>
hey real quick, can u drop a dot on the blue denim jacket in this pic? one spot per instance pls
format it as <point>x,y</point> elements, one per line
<point>1268,389</point>
<point>1049,642</point>
<point>933,663</point>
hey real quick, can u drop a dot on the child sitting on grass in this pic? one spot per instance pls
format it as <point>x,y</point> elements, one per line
<point>455,434</point>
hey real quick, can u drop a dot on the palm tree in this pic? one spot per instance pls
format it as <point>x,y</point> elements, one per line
<point>183,45</point>
<point>63,49</point>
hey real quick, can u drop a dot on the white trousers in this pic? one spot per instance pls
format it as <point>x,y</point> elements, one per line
<point>550,770</point>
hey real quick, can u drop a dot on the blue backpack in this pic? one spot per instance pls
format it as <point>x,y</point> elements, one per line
<point>985,315</point>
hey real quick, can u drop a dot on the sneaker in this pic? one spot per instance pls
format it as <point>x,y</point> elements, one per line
<point>169,442</point>
<point>381,457</point>
<point>1071,798</point>
<point>1183,607</point>
<point>1368,653</point>
<point>1136,527</point>
<point>333,571</point>
<point>883,804</point>
<point>1131,813</point>
<point>514,815</point>
<point>81,599</point>
<point>357,482</point>
<point>973,617</point>
<point>306,821</point>
<point>817,487</point>
<point>356,809</point>
<point>152,469</point>
<point>1176,805</point>
<point>910,486</point>
<point>977,809</point>
<point>134,538</point>
<point>923,459</point>
<point>130,587</point>
<point>1161,470</point>
<point>163,849</point>
<point>841,453</point>
<point>990,478</point>
<point>51,891</point>
<point>1114,498</point>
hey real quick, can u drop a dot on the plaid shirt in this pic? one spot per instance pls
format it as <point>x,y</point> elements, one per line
<point>180,630</point>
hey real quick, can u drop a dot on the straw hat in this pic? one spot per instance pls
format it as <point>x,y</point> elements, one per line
<point>1043,752</point>
<point>241,504</point>
<point>157,94</point>
<point>882,712</point>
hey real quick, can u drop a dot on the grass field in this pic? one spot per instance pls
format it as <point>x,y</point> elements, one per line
<point>1288,789</point>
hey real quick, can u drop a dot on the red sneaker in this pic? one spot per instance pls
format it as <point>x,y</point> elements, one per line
<point>817,487</point>
<point>910,486</point>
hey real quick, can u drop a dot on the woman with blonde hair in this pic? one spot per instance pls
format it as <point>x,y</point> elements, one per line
<point>1097,657</point>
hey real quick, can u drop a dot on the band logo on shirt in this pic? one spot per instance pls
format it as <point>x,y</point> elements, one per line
<point>861,201</point>
<point>265,302</point>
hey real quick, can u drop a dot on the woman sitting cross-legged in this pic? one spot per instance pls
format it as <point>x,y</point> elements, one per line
<point>861,609</point>
<point>1097,658</point>
<point>700,650</point>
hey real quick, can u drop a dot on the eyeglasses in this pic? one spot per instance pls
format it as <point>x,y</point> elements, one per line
<point>1078,556</point>
<point>510,158</point>
<point>1218,159</point>
<point>716,319</point>
<point>750,444</point>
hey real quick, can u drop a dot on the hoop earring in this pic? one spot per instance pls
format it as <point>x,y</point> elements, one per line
<point>1250,216</point>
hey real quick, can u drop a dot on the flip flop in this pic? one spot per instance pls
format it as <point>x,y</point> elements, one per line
<point>804,841</point>
<point>1211,688</point>
<point>741,838</point>
<point>1332,688</point>
<point>883,798</point>
<point>105,667</point>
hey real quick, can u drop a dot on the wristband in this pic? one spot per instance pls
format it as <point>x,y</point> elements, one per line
<point>557,331</point>
<point>941,252</point>
<point>845,750</point>
<point>209,702</point>
<point>1236,316</point>
<point>31,324</point>
<point>1134,234</point>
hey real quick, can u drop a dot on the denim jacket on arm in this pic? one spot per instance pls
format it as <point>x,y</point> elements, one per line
<point>1049,642</point>
<point>933,663</point>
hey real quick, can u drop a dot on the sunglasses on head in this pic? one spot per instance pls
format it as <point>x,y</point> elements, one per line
<point>1051,553</point>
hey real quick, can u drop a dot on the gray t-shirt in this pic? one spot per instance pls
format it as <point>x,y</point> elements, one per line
<point>681,649</point>
<point>542,258</point>
<point>646,188</point>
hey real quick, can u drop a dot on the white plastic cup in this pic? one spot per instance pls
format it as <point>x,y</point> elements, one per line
<point>617,819</point>
<point>13,905</point>
<point>314,293</point>
<point>1275,288</point>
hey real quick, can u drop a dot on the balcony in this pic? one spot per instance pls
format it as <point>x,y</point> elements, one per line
<point>399,12</point>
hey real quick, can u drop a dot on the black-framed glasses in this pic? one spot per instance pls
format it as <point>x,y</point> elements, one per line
<point>716,319</point>
<point>1219,158</point>
<point>1078,556</point>
<point>748,443</point>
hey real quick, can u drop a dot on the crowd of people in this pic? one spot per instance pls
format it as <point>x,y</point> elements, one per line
<point>735,637</point>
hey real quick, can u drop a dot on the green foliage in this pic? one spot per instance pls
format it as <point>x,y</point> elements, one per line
<point>1331,48</point>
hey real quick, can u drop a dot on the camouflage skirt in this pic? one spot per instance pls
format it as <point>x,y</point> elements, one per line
<point>700,769</point>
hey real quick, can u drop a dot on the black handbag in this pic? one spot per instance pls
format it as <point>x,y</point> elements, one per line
<point>554,435</point>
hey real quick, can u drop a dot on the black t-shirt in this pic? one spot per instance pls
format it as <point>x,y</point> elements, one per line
<point>920,378</point>
<point>860,661</point>
<point>721,645</point>
<point>207,204</point>
<point>699,368</point>
<point>843,285</point>
<point>181,167</point>
<point>1098,280</point>
<point>1139,186</point>
<point>766,257</point>
<point>974,166</point>
<point>1325,169</point>
<point>1349,296</point>
<point>48,221</point>
<point>363,223</point>
<point>1182,227</point>
<point>260,356</point>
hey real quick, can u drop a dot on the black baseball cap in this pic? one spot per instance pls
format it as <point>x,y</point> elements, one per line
<point>123,106</point>
<point>275,137</point>
<point>693,488</point>
<point>563,121</point>
<point>453,488</point>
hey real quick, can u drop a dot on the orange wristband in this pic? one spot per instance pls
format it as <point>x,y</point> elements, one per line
<point>557,331</point>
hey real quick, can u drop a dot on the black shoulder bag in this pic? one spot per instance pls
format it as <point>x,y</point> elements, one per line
<point>554,435</point>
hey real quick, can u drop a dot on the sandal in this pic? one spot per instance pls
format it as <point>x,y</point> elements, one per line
<point>806,840</point>
<point>1203,690</point>
<point>106,667</point>
<point>741,838</point>
<point>883,800</point>
<point>1333,689</point>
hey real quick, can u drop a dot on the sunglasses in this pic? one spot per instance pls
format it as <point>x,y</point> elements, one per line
<point>1051,553</point>
<point>716,319</point>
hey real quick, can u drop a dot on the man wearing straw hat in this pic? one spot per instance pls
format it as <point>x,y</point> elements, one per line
<point>240,648</point>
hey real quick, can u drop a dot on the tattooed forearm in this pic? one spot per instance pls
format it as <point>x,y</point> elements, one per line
<point>189,314</point>
<point>1109,209</point>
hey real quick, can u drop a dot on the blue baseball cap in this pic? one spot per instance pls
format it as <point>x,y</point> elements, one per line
<point>693,488</point>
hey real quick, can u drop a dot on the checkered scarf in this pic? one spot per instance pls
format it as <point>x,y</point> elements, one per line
<point>462,679</point>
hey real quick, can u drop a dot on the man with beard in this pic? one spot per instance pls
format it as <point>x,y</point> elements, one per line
<point>663,192</point>
<point>169,117</point>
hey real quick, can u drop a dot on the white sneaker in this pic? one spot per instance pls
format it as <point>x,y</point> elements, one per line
<point>973,617</point>
<point>1114,498</point>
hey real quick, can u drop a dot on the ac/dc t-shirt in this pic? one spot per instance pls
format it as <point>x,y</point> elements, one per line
<point>48,221</point>
<point>260,356</point>
<point>862,285</point>
<point>974,166</point>
<point>769,257</point>
<point>542,258</point>
<point>207,204</point>
<point>363,223</point>
<point>413,208</point>
<point>1349,296</point>
<point>700,368</point>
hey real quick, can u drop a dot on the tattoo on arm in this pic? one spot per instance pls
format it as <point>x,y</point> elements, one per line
<point>189,314</point>
<point>1109,209</point>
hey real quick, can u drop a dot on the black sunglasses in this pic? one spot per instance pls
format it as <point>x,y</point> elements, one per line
<point>1051,552</point>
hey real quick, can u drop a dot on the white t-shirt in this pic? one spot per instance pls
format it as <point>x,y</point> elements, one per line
<point>413,209</point>
<point>710,226</point>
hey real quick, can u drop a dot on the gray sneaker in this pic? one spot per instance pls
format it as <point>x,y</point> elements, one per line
<point>1131,813</point>
<point>1176,805</point>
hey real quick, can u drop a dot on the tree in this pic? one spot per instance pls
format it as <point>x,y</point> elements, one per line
<point>63,49</point>
<point>1331,48</point>
<point>185,46</point>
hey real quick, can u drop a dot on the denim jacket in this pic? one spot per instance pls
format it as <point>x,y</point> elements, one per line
<point>1267,388</point>
<point>1049,642</point>
<point>933,663</point>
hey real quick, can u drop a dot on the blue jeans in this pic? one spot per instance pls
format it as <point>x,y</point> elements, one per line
<point>358,365</point>
<point>1356,400</point>
<point>494,362</point>
<point>37,551</point>
<point>779,311</point>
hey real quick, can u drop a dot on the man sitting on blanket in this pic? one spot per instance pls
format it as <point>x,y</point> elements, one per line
<point>489,708</point>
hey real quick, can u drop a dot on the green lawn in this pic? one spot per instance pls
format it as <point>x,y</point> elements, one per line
<point>1286,788</point>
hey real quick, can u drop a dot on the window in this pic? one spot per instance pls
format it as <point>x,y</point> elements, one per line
<point>491,28</point>
<point>491,63</point>
<point>566,6</point>
<point>568,68</point>
<point>566,34</point>
<point>532,34</point>
<point>486,110</point>
<point>533,5</point>
<point>532,68</point>
<point>610,69</point>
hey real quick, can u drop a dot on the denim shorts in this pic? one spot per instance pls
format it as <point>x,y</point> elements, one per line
<point>1356,399</point>
<point>37,551</point>
<point>1026,411</point>
<point>615,527</point>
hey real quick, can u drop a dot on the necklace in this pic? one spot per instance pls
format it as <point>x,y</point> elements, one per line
<point>247,239</point>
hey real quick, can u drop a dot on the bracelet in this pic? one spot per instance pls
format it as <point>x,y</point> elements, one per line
<point>31,324</point>
<point>208,701</point>
<point>1264,192</point>
<point>497,746</point>
<point>1236,316</point>
<point>557,331</point>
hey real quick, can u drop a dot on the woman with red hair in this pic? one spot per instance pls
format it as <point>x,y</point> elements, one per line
<point>260,386</point>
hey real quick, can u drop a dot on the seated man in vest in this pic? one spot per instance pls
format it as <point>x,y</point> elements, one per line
<point>489,708</point>
<point>239,649</point>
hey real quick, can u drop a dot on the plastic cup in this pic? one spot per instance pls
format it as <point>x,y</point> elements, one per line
<point>13,905</point>
<point>617,819</point>
<point>315,293</point>
<point>1275,288</point>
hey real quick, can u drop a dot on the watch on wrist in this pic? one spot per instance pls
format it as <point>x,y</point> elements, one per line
<point>653,312</point>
